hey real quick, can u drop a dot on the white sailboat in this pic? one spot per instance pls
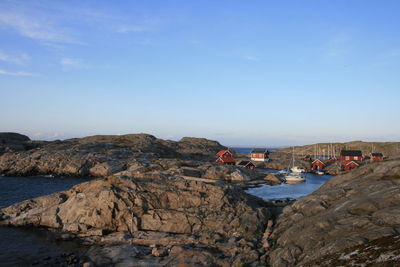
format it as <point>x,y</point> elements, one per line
<point>291,178</point>
<point>297,169</point>
<point>295,173</point>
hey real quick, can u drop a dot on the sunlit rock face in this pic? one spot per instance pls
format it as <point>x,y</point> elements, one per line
<point>97,156</point>
<point>347,211</point>
<point>216,221</point>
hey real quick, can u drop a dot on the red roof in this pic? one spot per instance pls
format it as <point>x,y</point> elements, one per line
<point>317,160</point>
<point>220,153</point>
<point>226,160</point>
<point>352,162</point>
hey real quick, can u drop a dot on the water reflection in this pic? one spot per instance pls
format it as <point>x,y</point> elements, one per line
<point>283,191</point>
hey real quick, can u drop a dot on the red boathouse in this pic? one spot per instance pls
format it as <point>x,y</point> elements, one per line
<point>348,166</point>
<point>332,159</point>
<point>225,157</point>
<point>259,154</point>
<point>306,158</point>
<point>349,155</point>
<point>376,157</point>
<point>317,165</point>
<point>246,164</point>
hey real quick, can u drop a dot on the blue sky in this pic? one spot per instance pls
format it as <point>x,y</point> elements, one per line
<point>240,72</point>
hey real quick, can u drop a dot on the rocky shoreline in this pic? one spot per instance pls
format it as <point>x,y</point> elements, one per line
<point>163,222</point>
<point>165,203</point>
<point>138,155</point>
<point>169,221</point>
<point>347,214</point>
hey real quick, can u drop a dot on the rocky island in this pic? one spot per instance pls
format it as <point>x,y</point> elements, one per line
<point>164,203</point>
<point>139,155</point>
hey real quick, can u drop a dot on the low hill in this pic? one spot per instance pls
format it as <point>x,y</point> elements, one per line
<point>101,154</point>
<point>13,142</point>
<point>389,149</point>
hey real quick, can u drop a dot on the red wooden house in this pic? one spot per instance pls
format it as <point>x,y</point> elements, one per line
<point>259,154</point>
<point>225,157</point>
<point>306,158</point>
<point>349,155</point>
<point>317,165</point>
<point>332,159</point>
<point>376,157</point>
<point>348,166</point>
<point>246,164</point>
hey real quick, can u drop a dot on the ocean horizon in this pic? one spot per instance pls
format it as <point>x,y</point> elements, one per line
<point>245,150</point>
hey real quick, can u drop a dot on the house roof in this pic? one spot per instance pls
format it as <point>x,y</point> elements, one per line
<point>226,159</point>
<point>376,154</point>
<point>350,162</point>
<point>221,152</point>
<point>258,150</point>
<point>351,153</point>
<point>244,163</point>
<point>318,160</point>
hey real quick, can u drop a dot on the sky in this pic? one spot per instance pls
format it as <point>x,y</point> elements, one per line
<point>245,73</point>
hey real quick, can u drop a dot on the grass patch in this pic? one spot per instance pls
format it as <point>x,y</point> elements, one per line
<point>359,211</point>
<point>391,177</point>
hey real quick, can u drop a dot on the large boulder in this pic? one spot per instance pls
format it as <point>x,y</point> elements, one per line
<point>125,204</point>
<point>348,211</point>
<point>216,224</point>
<point>230,173</point>
<point>191,146</point>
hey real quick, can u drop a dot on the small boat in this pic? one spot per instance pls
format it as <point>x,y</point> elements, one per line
<point>283,172</point>
<point>294,178</point>
<point>297,169</point>
<point>319,172</point>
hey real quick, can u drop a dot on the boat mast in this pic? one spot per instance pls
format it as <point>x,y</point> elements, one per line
<point>293,159</point>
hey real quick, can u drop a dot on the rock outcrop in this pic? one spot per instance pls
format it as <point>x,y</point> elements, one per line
<point>210,224</point>
<point>347,212</point>
<point>280,160</point>
<point>10,142</point>
<point>231,173</point>
<point>101,155</point>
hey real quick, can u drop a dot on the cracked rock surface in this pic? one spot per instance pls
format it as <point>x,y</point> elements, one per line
<point>347,211</point>
<point>217,224</point>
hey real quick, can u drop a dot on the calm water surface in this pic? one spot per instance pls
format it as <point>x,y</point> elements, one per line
<point>282,191</point>
<point>24,246</point>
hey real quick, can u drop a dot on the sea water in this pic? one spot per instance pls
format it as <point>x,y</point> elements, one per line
<point>292,191</point>
<point>25,246</point>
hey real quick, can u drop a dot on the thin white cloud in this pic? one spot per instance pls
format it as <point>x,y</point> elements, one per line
<point>18,73</point>
<point>73,63</point>
<point>61,23</point>
<point>70,61</point>
<point>250,58</point>
<point>33,23</point>
<point>132,28</point>
<point>21,59</point>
